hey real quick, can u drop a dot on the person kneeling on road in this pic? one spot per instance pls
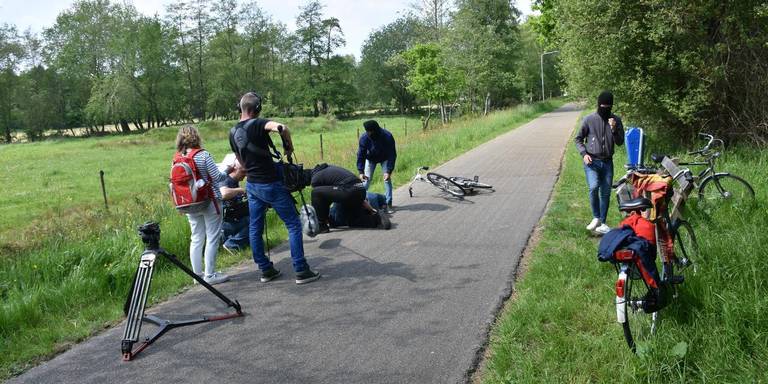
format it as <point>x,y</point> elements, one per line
<point>236,217</point>
<point>334,184</point>
<point>367,215</point>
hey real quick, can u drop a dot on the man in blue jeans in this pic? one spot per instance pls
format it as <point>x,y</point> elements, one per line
<point>377,146</point>
<point>250,141</point>
<point>600,132</point>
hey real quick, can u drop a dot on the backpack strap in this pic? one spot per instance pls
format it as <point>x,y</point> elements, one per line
<point>251,147</point>
<point>208,183</point>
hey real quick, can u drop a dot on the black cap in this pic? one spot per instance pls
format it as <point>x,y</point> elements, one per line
<point>371,125</point>
<point>605,97</point>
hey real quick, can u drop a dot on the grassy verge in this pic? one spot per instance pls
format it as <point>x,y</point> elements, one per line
<point>67,262</point>
<point>562,326</point>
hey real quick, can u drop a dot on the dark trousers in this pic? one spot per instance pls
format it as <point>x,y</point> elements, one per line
<point>348,198</point>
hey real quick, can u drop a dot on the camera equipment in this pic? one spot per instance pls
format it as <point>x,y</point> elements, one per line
<point>137,298</point>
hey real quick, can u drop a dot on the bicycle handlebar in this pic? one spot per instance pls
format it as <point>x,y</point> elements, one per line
<point>710,139</point>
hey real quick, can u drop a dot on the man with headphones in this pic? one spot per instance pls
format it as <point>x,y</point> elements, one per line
<point>251,143</point>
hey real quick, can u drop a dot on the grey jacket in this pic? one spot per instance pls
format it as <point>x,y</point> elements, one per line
<point>595,137</point>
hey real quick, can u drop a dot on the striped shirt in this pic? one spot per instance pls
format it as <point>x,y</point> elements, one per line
<point>209,171</point>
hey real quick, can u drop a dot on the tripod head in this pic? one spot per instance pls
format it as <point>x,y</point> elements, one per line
<point>150,235</point>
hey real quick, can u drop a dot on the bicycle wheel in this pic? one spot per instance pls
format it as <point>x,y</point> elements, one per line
<point>725,189</point>
<point>638,325</point>
<point>445,184</point>
<point>686,246</point>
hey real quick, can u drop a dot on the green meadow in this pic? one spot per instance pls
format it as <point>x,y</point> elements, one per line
<point>67,260</point>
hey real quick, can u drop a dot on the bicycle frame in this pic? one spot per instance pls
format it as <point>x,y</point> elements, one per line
<point>417,177</point>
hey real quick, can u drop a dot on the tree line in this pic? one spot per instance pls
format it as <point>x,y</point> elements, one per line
<point>103,63</point>
<point>677,67</point>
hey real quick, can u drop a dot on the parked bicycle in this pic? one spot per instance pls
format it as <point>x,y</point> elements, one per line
<point>455,186</point>
<point>716,187</point>
<point>639,296</point>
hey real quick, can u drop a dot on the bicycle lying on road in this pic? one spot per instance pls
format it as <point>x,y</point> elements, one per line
<point>716,187</point>
<point>639,295</point>
<point>455,186</point>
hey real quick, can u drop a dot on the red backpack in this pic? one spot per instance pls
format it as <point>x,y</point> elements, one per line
<point>189,190</point>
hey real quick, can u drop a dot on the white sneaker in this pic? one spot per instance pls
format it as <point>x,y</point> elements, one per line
<point>216,278</point>
<point>602,229</point>
<point>593,224</point>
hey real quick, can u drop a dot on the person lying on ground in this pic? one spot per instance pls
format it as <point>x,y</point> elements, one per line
<point>367,215</point>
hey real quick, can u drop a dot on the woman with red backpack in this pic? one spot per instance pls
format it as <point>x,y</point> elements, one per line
<point>194,180</point>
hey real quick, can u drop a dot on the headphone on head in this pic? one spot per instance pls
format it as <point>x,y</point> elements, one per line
<point>257,107</point>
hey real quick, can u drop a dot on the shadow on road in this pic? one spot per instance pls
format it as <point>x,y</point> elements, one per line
<point>423,207</point>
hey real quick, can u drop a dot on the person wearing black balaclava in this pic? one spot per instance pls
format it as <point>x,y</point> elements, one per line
<point>600,132</point>
<point>377,146</point>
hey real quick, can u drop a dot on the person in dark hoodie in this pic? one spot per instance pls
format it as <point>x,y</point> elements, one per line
<point>377,146</point>
<point>332,184</point>
<point>600,132</point>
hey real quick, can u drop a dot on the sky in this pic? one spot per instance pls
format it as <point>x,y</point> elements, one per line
<point>358,18</point>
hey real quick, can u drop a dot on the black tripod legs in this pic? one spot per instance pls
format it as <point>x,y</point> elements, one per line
<point>137,300</point>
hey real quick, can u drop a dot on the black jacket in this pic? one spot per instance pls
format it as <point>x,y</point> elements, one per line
<point>596,139</point>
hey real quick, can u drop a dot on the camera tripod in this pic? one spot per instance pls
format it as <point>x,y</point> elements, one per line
<point>137,298</point>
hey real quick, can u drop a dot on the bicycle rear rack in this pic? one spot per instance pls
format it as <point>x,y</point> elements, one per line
<point>137,299</point>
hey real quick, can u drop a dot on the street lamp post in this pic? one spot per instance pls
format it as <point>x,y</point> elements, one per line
<point>542,71</point>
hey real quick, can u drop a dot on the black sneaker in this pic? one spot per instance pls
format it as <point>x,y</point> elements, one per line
<point>269,275</point>
<point>324,228</point>
<point>306,276</point>
<point>384,222</point>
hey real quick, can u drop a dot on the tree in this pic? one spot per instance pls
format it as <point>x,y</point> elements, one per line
<point>224,67</point>
<point>80,46</point>
<point>681,68</point>
<point>332,42</point>
<point>382,75</point>
<point>11,52</point>
<point>484,43</point>
<point>310,31</point>
<point>338,87</point>
<point>435,14</point>
<point>430,78</point>
<point>191,26</point>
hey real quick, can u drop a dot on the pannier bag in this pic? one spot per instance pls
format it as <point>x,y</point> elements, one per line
<point>189,191</point>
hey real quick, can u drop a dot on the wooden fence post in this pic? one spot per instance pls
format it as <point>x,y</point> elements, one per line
<point>103,189</point>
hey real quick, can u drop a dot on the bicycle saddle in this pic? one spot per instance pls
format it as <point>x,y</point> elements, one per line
<point>638,204</point>
<point>657,157</point>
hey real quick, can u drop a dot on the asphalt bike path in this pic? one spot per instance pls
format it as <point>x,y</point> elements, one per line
<point>410,305</point>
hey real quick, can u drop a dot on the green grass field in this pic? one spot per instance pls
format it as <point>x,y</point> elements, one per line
<point>67,261</point>
<point>561,326</point>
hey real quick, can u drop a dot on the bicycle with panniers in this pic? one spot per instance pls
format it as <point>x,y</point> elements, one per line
<point>652,201</point>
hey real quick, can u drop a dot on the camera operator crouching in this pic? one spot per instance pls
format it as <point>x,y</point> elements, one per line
<point>236,217</point>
